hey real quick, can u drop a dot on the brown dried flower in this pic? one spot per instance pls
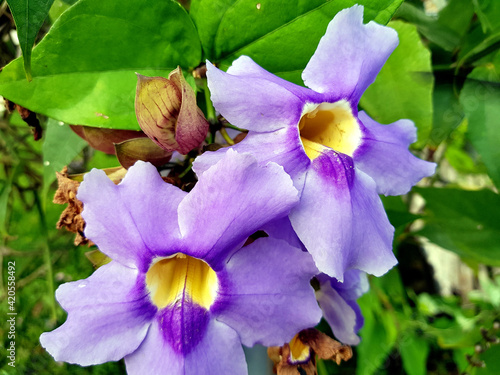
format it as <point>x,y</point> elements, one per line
<point>71,217</point>
<point>299,355</point>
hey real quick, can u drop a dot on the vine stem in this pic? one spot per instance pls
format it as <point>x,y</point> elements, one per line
<point>46,254</point>
<point>211,117</point>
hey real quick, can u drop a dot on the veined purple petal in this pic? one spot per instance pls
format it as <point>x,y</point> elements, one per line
<point>384,156</point>
<point>108,317</point>
<point>125,225</point>
<point>340,219</point>
<point>282,146</point>
<point>252,103</point>
<point>218,353</point>
<point>349,55</point>
<point>183,325</point>
<point>269,297</point>
<point>232,200</point>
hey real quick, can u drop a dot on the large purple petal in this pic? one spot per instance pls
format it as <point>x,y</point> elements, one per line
<point>131,221</point>
<point>340,219</point>
<point>282,146</point>
<point>244,66</point>
<point>253,103</point>
<point>108,317</point>
<point>232,200</point>
<point>384,156</point>
<point>219,352</point>
<point>341,317</point>
<point>349,55</point>
<point>267,296</point>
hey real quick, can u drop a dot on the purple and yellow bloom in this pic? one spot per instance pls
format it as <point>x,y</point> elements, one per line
<point>338,302</point>
<point>339,159</point>
<point>181,294</point>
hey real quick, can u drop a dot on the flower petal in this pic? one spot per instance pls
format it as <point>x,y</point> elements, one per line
<point>340,219</point>
<point>218,353</point>
<point>242,196</point>
<point>282,229</point>
<point>252,103</point>
<point>339,314</point>
<point>269,297</point>
<point>126,228</point>
<point>244,66</point>
<point>349,55</point>
<point>282,146</point>
<point>108,317</point>
<point>384,156</point>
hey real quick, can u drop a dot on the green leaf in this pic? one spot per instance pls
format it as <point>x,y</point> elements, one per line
<point>84,69</point>
<point>431,28</point>
<point>403,88</point>
<point>447,111</point>
<point>480,98</point>
<point>28,16</point>
<point>488,12</point>
<point>464,222</point>
<point>378,335</point>
<point>414,351</point>
<point>60,147</point>
<point>279,35</point>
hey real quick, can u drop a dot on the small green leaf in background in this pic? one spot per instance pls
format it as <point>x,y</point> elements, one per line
<point>60,147</point>
<point>28,16</point>
<point>480,99</point>
<point>414,350</point>
<point>281,36</point>
<point>403,88</point>
<point>84,68</point>
<point>465,222</point>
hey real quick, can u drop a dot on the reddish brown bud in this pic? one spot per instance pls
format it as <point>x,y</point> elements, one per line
<point>167,112</point>
<point>104,139</point>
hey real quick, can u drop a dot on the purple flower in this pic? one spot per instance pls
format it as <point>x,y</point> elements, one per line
<point>338,302</point>
<point>181,294</point>
<point>339,159</point>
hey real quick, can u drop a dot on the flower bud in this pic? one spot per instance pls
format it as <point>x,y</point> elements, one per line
<point>104,139</point>
<point>167,112</point>
<point>144,149</point>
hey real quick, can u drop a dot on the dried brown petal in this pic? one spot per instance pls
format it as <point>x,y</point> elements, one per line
<point>167,112</point>
<point>70,218</point>
<point>324,346</point>
<point>288,363</point>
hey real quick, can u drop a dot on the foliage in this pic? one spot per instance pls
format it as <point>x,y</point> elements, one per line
<point>445,76</point>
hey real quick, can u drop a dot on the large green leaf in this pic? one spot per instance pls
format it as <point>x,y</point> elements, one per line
<point>465,222</point>
<point>480,99</point>
<point>28,16</point>
<point>84,69</point>
<point>403,88</point>
<point>279,35</point>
